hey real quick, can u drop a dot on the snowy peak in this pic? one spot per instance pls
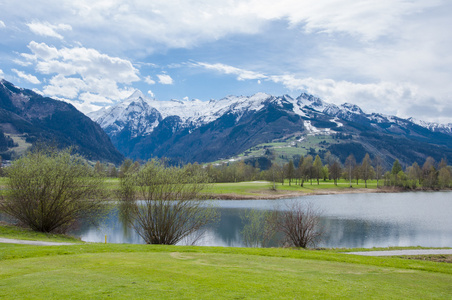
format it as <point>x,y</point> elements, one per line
<point>311,101</point>
<point>353,108</point>
<point>435,127</point>
<point>137,94</point>
<point>194,130</point>
<point>140,115</point>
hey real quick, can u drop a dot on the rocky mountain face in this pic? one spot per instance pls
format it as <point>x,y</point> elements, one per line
<point>207,131</point>
<point>26,117</point>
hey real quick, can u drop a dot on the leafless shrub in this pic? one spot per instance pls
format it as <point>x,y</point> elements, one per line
<point>300,225</point>
<point>170,208</point>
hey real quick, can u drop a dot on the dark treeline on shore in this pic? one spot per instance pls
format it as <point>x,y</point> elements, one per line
<point>313,170</point>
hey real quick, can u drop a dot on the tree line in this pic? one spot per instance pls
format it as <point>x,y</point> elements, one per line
<point>311,169</point>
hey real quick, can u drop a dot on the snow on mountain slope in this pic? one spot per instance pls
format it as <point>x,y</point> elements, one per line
<point>140,115</point>
<point>435,127</point>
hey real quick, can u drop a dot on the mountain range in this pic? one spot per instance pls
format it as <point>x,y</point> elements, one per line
<point>27,118</point>
<point>189,131</point>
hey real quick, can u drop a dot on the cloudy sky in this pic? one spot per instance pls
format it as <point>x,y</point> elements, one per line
<point>389,56</point>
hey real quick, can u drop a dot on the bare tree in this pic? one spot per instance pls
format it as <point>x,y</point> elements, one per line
<point>317,167</point>
<point>335,171</point>
<point>49,190</point>
<point>367,171</point>
<point>350,164</point>
<point>171,207</point>
<point>306,169</point>
<point>378,163</point>
<point>300,225</point>
<point>290,171</point>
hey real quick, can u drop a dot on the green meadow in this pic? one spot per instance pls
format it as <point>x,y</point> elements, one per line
<point>262,189</point>
<point>118,271</point>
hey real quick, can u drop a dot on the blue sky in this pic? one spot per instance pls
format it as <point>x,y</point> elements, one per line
<point>389,56</point>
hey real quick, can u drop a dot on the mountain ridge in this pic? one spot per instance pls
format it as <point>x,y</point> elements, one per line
<point>33,118</point>
<point>190,131</point>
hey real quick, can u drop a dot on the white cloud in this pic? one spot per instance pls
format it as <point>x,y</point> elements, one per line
<point>165,79</point>
<point>22,63</point>
<point>91,90</point>
<point>82,73</point>
<point>150,93</point>
<point>91,98</point>
<point>149,80</point>
<point>47,29</point>
<point>82,61</point>
<point>62,86</point>
<point>367,19</point>
<point>1,73</point>
<point>30,78</point>
<point>2,24</point>
<point>85,107</point>
<point>187,23</point>
<point>225,69</point>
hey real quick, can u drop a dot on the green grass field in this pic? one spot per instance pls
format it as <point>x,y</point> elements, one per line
<point>288,147</point>
<point>263,188</point>
<point>13,232</point>
<point>118,271</point>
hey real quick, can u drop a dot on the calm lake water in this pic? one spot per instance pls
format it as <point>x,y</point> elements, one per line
<point>349,220</point>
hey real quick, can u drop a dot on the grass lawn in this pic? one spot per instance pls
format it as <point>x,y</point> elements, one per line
<point>95,271</point>
<point>262,188</point>
<point>117,271</point>
<point>13,232</point>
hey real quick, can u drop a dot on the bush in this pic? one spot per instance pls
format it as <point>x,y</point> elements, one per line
<point>170,208</point>
<point>49,190</point>
<point>300,225</point>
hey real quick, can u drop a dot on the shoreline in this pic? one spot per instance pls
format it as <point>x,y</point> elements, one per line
<point>284,194</point>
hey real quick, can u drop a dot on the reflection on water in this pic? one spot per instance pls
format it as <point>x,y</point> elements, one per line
<point>352,220</point>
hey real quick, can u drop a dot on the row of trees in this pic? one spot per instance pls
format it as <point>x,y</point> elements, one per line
<point>431,175</point>
<point>311,169</point>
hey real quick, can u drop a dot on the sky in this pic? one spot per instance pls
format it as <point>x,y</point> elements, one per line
<point>387,56</point>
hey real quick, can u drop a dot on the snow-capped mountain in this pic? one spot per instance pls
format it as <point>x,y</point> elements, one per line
<point>141,115</point>
<point>30,118</point>
<point>435,127</point>
<point>203,131</point>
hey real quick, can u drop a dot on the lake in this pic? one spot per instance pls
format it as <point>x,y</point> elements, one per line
<point>349,220</point>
